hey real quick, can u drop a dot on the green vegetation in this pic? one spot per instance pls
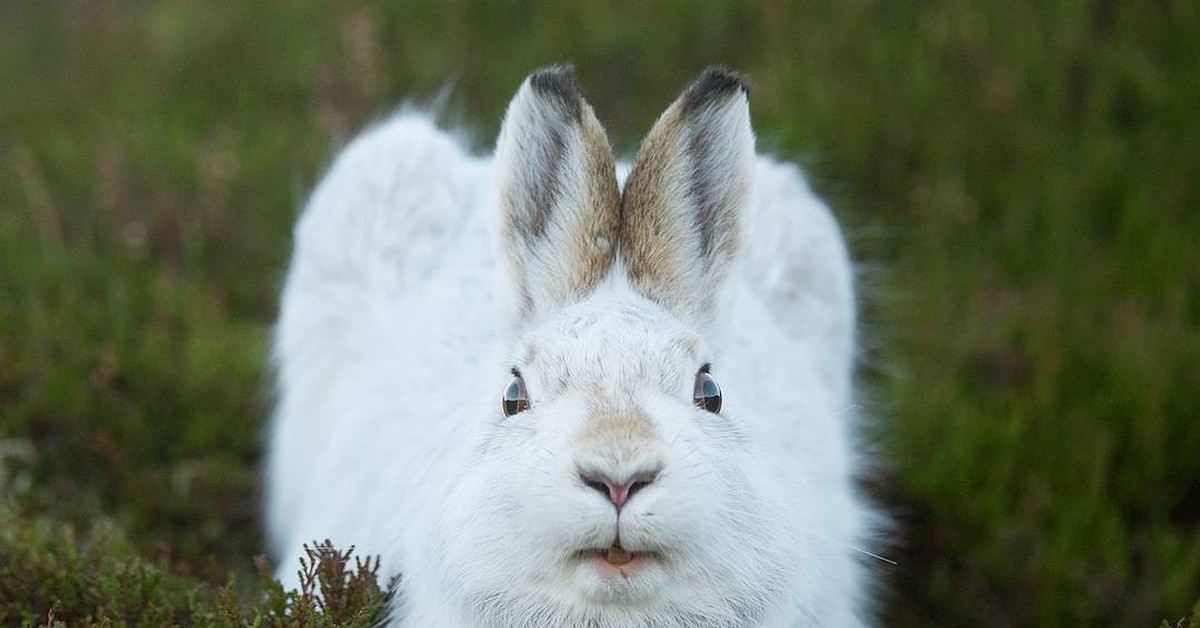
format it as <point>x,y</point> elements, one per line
<point>1018,179</point>
<point>50,576</point>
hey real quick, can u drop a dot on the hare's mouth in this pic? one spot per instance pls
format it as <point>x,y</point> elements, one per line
<point>617,558</point>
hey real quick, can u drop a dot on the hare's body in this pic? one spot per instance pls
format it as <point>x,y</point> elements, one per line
<point>396,340</point>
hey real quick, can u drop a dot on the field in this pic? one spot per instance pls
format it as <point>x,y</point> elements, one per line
<point>1018,180</point>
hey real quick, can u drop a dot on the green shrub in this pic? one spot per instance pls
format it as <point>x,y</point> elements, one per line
<point>50,574</point>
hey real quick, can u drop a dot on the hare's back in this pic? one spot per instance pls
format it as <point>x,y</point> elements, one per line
<point>387,218</point>
<point>794,259</point>
<point>389,205</point>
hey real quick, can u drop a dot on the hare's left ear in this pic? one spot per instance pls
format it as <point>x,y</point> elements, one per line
<point>683,198</point>
<point>558,193</point>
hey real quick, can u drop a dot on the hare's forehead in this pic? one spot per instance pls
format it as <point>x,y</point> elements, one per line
<point>612,337</point>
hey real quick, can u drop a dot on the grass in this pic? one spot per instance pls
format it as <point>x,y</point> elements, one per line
<point>1018,179</point>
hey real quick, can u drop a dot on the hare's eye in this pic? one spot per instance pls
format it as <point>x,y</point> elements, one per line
<point>515,399</point>
<point>707,393</point>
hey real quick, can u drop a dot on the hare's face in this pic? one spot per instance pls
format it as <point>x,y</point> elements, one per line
<point>608,495</point>
<point>614,491</point>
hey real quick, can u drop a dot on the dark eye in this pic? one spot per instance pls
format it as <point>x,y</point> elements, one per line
<point>515,399</point>
<point>707,393</point>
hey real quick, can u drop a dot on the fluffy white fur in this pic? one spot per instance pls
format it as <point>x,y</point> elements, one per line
<point>395,342</point>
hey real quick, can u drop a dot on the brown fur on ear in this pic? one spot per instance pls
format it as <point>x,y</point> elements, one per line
<point>559,192</point>
<point>683,197</point>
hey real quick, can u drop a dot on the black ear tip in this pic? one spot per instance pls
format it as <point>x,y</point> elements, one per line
<point>557,83</point>
<point>716,82</point>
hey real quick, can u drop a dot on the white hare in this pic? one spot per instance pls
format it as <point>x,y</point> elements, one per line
<point>546,400</point>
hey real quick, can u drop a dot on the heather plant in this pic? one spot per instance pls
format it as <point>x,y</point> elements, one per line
<point>54,575</point>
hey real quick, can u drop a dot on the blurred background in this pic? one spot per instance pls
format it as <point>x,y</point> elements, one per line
<point>1018,180</point>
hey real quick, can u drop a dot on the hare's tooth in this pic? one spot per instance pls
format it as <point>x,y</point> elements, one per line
<point>618,556</point>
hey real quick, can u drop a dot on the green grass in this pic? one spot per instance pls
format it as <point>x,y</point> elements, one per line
<point>1018,178</point>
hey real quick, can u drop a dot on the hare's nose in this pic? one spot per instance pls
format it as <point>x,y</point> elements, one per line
<point>617,492</point>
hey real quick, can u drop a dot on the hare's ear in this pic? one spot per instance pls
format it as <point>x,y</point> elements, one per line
<point>682,200</point>
<point>558,193</point>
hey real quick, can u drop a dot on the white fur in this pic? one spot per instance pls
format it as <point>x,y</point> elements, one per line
<point>393,350</point>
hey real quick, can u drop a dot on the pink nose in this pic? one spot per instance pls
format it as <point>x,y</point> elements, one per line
<point>617,493</point>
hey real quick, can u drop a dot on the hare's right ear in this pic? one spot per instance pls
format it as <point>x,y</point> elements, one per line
<point>558,193</point>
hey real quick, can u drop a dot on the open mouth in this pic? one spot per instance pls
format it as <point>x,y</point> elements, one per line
<point>617,558</point>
